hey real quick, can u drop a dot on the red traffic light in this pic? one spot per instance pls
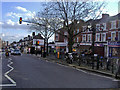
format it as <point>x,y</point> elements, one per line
<point>38,42</point>
<point>20,20</point>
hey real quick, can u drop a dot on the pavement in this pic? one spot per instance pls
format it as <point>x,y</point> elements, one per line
<point>62,61</point>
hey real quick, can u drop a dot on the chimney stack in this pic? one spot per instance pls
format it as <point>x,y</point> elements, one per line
<point>105,16</point>
<point>33,34</point>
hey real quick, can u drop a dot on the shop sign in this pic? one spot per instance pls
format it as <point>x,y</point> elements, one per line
<point>41,41</point>
<point>101,45</point>
<point>114,43</point>
<point>85,44</point>
<point>60,44</point>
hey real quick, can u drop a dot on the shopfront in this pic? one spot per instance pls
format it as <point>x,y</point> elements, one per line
<point>114,49</point>
<point>99,48</point>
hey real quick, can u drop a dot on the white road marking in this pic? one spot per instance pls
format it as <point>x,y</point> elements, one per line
<point>63,65</point>
<point>6,85</point>
<point>10,59</point>
<point>116,80</point>
<point>6,75</point>
<point>81,70</point>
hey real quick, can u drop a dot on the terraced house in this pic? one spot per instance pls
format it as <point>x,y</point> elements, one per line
<point>107,36</point>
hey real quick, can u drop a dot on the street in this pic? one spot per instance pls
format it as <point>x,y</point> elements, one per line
<point>32,72</point>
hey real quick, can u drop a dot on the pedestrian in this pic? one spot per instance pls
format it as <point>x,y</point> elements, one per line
<point>41,52</point>
<point>36,52</point>
<point>97,62</point>
<point>108,63</point>
<point>55,52</point>
<point>101,61</point>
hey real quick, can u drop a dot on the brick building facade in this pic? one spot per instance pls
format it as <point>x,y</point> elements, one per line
<point>107,36</point>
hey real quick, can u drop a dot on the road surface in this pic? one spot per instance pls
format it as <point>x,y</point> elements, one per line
<point>32,72</point>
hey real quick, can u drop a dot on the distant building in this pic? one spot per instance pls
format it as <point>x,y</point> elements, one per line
<point>0,43</point>
<point>29,44</point>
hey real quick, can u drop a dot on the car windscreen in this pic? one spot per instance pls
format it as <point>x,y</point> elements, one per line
<point>16,51</point>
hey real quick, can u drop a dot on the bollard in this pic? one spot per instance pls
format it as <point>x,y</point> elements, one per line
<point>58,55</point>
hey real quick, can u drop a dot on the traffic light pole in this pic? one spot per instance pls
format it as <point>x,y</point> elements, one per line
<point>44,53</point>
<point>20,22</point>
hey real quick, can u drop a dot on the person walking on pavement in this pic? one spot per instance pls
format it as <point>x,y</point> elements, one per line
<point>55,52</point>
<point>108,63</point>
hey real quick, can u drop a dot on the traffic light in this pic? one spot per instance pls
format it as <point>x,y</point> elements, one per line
<point>37,43</point>
<point>20,20</point>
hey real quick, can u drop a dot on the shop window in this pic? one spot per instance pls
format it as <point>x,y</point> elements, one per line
<point>115,52</point>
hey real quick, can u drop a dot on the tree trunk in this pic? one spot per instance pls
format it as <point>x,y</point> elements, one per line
<point>70,44</point>
<point>44,53</point>
<point>47,46</point>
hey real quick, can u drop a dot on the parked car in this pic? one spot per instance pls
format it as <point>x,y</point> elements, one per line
<point>3,50</point>
<point>16,52</point>
<point>12,52</point>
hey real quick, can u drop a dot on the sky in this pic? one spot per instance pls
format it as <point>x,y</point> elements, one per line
<point>11,30</point>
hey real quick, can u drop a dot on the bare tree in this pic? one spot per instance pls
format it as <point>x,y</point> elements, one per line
<point>69,13</point>
<point>41,24</point>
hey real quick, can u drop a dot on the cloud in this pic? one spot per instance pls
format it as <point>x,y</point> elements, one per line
<point>11,38</point>
<point>21,8</point>
<point>13,15</point>
<point>28,14</point>
<point>9,24</point>
<point>1,23</point>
